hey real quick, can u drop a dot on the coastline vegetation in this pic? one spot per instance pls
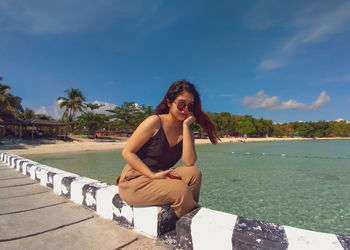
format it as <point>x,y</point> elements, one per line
<point>80,118</point>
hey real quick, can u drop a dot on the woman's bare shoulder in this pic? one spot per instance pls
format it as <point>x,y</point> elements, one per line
<point>152,122</point>
<point>143,132</point>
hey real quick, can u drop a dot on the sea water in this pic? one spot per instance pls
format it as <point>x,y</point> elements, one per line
<point>304,184</point>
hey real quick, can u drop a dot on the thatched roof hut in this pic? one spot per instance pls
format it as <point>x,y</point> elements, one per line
<point>43,121</point>
<point>52,128</point>
<point>12,126</point>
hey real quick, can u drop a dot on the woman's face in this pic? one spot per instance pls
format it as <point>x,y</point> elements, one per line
<point>182,106</point>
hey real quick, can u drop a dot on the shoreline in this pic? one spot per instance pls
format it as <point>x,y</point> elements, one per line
<point>79,145</point>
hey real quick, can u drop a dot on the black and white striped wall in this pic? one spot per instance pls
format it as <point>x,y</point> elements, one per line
<point>209,229</point>
<point>201,229</point>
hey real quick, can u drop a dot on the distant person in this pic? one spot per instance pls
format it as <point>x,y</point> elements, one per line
<point>157,144</point>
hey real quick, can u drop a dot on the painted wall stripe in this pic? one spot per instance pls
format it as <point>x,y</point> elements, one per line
<point>76,188</point>
<point>251,233</point>
<point>61,183</point>
<point>89,194</point>
<point>145,220</point>
<point>166,220</point>
<point>212,229</point>
<point>183,230</point>
<point>344,241</point>
<point>105,196</point>
<point>122,212</point>
<point>305,239</point>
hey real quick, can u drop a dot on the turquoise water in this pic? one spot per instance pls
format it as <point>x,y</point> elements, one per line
<point>303,184</point>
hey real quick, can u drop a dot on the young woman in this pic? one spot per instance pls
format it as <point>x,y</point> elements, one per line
<point>157,144</point>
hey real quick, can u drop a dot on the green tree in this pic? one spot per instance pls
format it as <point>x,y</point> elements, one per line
<point>321,128</point>
<point>278,130</point>
<point>92,122</point>
<point>195,127</point>
<point>259,127</point>
<point>93,106</point>
<point>8,102</point>
<point>304,129</point>
<point>215,117</point>
<point>341,129</point>
<point>129,115</point>
<point>246,125</point>
<point>227,123</point>
<point>27,114</point>
<point>72,103</point>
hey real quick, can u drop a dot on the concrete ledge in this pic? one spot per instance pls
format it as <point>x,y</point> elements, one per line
<point>201,229</point>
<point>205,228</point>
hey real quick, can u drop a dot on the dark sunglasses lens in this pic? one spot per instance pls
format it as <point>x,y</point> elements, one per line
<point>181,106</point>
<point>190,107</point>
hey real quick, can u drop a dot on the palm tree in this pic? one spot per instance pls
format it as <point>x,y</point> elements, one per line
<point>72,103</point>
<point>129,115</point>
<point>27,114</point>
<point>9,102</point>
<point>4,91</point>
<point>93,106</point>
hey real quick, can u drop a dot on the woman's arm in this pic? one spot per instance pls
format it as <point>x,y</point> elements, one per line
<point>141,135</point>
<point>189,155</point>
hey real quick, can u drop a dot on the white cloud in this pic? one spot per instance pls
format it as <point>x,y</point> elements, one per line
<point>56,17</point>
<point>41,111</point>
<point>263,15</point>
<point>103,110</point>
<point>38,17</point>
<point>313,28</point>
<point>260,101</point>
<point>330,22</point>
<point>341,120</point>
<point>311,24</point>
<point>263,101</point>
<point>338,79</point>
<point>54,111</point>
<point>269,64</point>
<point>321,100</point>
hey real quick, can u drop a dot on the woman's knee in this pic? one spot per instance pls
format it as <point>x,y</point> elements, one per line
<point>183,200</point>
<point>180,191</point>
<point>195,172</point>
<point>189,171</point>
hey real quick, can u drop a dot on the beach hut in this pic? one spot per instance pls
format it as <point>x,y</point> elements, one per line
<point>10,125</point>
<point>44,127</point>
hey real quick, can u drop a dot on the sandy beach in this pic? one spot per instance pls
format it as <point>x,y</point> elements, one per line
<point>77,144</point>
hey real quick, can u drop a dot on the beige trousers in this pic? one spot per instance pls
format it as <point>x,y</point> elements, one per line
<point>183,195</point>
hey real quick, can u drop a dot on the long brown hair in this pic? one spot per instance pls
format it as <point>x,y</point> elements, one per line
<point>201,118</point>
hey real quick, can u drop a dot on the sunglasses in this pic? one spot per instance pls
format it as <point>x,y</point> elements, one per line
<point>182,105</point>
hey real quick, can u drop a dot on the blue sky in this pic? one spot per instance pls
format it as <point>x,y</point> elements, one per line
<point>280,60</point>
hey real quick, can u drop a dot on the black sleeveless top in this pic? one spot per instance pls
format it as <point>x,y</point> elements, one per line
<point>157,154</point>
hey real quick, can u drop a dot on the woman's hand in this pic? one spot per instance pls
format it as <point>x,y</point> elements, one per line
<point>189,120</point>
<point>161,174</point>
